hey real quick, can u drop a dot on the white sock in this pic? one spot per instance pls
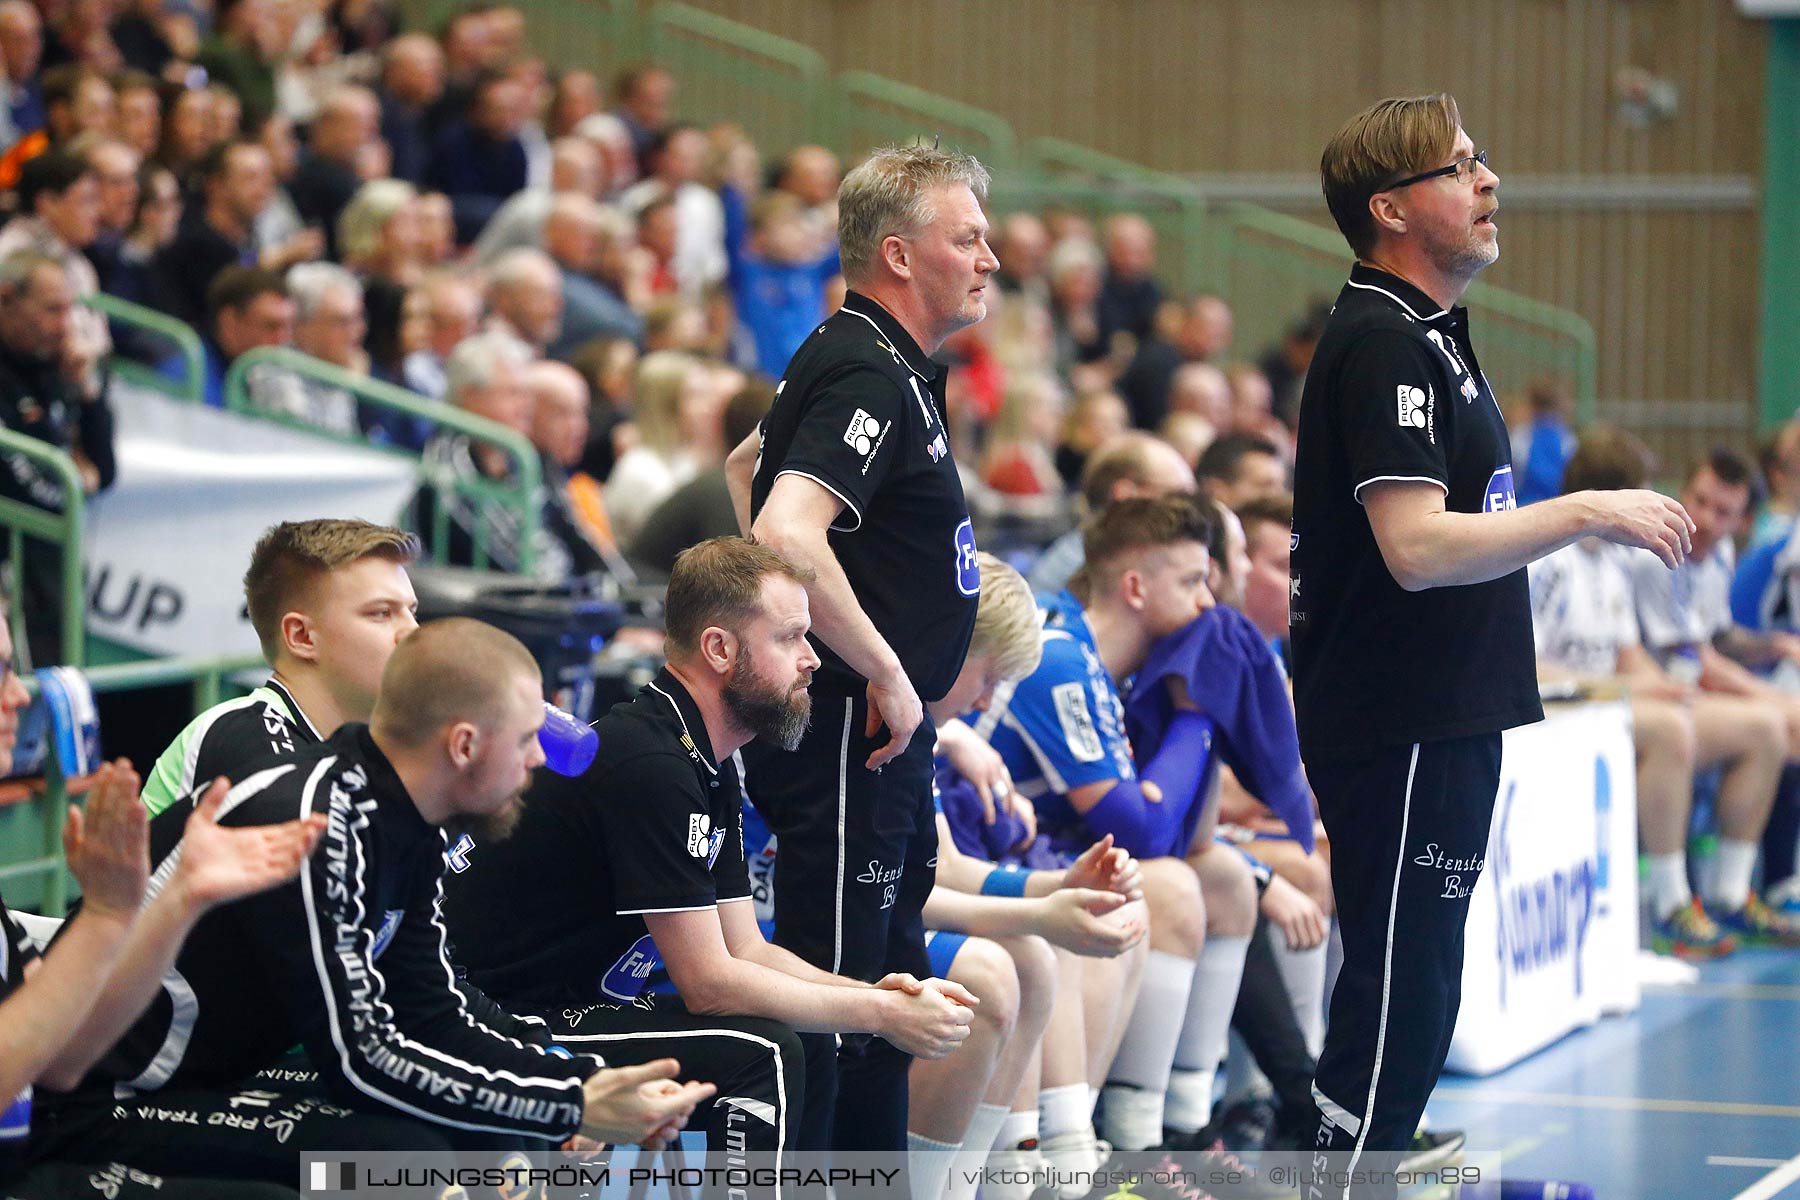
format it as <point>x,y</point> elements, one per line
<point>1189,1102</point>
<point>1065,1109</point>
<point>1303,973</point>
<point>1140,1070</point>
<point>928,1165</point>
<point>1073,1156</point>
<point>1206,1025</point>
<point>965,1168</point>
<point>1731,874</point>
<point>1668,884</point>
<point>1018,1127</point>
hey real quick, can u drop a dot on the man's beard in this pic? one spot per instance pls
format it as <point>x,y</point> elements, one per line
<point>1461,259</point>
<point>488,828</point>
<point>775,714</point>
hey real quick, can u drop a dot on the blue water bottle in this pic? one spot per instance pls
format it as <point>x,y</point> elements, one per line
<point>1526,1189</point>
<point>569,743</point>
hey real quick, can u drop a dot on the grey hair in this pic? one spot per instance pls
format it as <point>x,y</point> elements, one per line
<point>308,284</point>
<point>375,203</point>
<point>889,193</point>
<point>478,358</point>
<point>523,264</point>
<point>17,268</point>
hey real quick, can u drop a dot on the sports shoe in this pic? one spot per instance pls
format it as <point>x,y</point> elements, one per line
<point>1024,1172</point>
<point>1228,1176</point>
<point>1784,897</point>
<point>1076,1153</point>
<point>1689,933</point>
<point>1756,924</point>
<point>1432,1148</point>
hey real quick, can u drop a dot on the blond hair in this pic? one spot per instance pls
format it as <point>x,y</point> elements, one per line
<point>292,557</point>
<point>890,193</point>
<point>662,376</point>
<point>1377,147</point>
<point>1007,626</point>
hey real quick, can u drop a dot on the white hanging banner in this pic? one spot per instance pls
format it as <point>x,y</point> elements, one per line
<point>1552,937</point>
<point>168,543</point>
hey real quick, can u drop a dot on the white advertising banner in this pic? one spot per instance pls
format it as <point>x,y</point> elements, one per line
<point>167,544</point>
<point>1552,937</point>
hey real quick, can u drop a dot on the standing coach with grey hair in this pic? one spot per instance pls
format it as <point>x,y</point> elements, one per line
<point>850,476</point>
<point>1411,619</point>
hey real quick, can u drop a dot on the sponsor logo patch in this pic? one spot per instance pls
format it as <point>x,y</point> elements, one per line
<point>861,433</point>
<point>1499,496</point>
<point>968,571</point>
<point>1077,722</point>
<point>625,978</point>
<point>1411,404</point>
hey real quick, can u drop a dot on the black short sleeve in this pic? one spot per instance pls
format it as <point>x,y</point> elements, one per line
<point>846,440</point>
<point>1390,411</point>
<point>731,874</point>
<point>661,836</point>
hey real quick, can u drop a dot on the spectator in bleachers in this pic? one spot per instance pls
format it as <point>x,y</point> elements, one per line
<point>778,279</point>
<point>1285,365</point>
<point>378,238</point>
<point>137,101</point>
<point>677,160</point>
<point>1132,465</point>
<point>1684,616</point>
<point>677,415</point>
<point>470,51</point>
<point>59,218</point>
<point>1017,461</point>
<point>700,508</point>
<point>437,230</point>
<point>1253,403</point>
<point>574,510</point>
<point>227,114</point>
<point>658,235</point>
<point>1096,418</point>
<point>412,80</point>
<point>1779,457</point>
<point>1074,269</point>
<point>579,235</point>
<point>533,78</point>
<point>480,160</point>
<point>248,307</point>
<point>644,99</point>
<point>610,367</point>
<point>139,31</point>
<point>448,309</point>
<point>811,174</point>
<point>77,100</point>
<point>331,169</point>
<point>1240,467</point>
<point>575,96</point>
<point>1024,250</point>
<point>246,43</point>
<point>22,51</point>
<point>619,168</point>
<point>50,392</point>
<point>1204,390</point>
<point>187,133</point>
<point>114,166</point>
<point>79,34</point>
<point>1190,434</point>
<point>237,181</point>
<point>1130,295</point>
<point>281,221</point>
<point>487,377</point>
<point>575,166</point>
<point>525,297</point>
<point>153,225</point>
<point>329,324</point>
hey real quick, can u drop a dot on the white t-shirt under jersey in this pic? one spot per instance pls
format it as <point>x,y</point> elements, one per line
<point>1581,608</point>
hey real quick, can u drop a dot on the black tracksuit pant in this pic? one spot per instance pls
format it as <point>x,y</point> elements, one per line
<point>1409,834</point>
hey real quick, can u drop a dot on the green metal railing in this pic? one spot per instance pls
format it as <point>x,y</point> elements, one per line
<point>60,529</point>
<point>208,676</point>
<point>1272,266</point>
<point>875,111</point>
<point>521,493</point>
<point>730,70</point>
<point>182,341</point>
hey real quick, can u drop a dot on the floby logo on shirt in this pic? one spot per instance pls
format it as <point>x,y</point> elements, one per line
<point>1411,402</point>
<point>968,571</point>
<point>1499,497</point>
<point>703,840</point>
<point>625,978</point>
<point>862,431</point>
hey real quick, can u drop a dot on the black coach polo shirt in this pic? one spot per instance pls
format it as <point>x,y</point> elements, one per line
<point>1395,393</point>
<point>554,914</point>
<point>860,412</point>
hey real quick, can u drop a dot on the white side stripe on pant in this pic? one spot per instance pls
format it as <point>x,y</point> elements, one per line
<point>837,931</point>
<point>1387,971</point>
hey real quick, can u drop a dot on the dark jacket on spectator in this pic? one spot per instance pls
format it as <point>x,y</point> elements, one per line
<point>1129,306</point>
<point>408,138</point>
<point>184,269</point>
<point>477,173</point>
<point>321,190</point>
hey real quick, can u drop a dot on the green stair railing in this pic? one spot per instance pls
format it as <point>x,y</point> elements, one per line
<point>157,328</point>
<point>62,530</point>
<point>730,70</point>
<point>874,111</point>
<point>521,492</point>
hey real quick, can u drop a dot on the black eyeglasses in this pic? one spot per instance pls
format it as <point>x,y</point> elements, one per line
<point>1462,168</point>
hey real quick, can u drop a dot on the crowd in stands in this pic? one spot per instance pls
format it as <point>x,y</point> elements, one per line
<point>447,213</point>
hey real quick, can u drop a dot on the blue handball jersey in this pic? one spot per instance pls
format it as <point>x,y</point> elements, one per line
<point>1063,725</point>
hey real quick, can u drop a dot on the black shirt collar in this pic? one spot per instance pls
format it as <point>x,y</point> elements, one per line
<point>900,341</point>
<point>385,785</point>
<point>693,725</point>
<point>303,724</point>
<point>1372,280</point>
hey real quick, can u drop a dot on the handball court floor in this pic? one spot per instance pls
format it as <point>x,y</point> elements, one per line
<point>1696,1096</point>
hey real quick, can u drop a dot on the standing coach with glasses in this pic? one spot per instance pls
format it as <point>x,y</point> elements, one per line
<point>1411,619</point>
<point>850,476</point>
